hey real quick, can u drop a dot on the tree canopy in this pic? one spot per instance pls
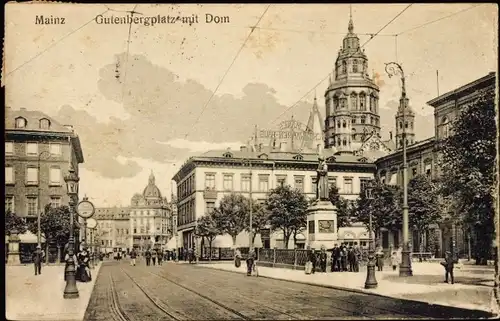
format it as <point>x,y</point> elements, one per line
<point>54,224</point>
<point>14,224</point>
<point>231,215</point>
<point>260,219</point>
<point>423,203</point>
<point>206,227</point>
<point>385,207</point>
<point>344,207</point>
<point>287,211</point>
<point>468,167</point>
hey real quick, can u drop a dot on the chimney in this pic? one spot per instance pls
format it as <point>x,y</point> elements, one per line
<point>390,135</point>
<point>283,147</point>
<point>243,148</point>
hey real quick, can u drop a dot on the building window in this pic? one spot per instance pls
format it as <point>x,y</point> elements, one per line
<point>347,185</point>
<point>228,182</point>
<point>354,101</point>
<point>21,122</point>
<point>210,181</point>
<point>332,181</point>
<point>31,205</point>
<point>344,67</point>
<point>9,175</point>
<point>245,183</point>
<point>55,201</point>
<point>299,183</point>
<point>413,172</point>
<point>445,127</point>
<point>314,184</point>
<point>343,103</point>
<point>9,148</point>
<point>281,180</point>
<point>32,149</point>
<point>44,123</point>
<point>355,65</point>
<point>428,170</point>
<point>363,181</point>
<point>210,207</point>
<point>9,203</point>
<point>362,101</point>
<point>344,124</point>
<point>55,176</point>
<point>55,149</point>
<point>263,183</point>
<point>32,175</point>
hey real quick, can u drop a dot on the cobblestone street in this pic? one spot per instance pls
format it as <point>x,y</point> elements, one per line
<point>188,292</point>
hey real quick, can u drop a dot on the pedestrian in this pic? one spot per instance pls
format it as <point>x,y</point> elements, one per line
<point>153,256</point>
<point>351,259</point>
<point>343,258</point>
<point>148,257</point>
<point>448,266</point>
<point>37,258</point>
<point>133,255</point>
<point>322,259</point>
<point>250,262</point>
<point>83,270</point>
<point>336,253</point>
<point>394,260</point>
<point>357,256</point>
<point>312,259</point>
<point>380,258</point>
<point>237,258</point>
<point>160,257</point>
<point>190,255</point>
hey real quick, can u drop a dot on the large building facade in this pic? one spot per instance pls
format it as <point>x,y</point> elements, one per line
<point>204,180</point>
<point>113,229</point>
<point>150,218</point>
<point>38,154</point>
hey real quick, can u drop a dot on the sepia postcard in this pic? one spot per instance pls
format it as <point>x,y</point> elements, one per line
<point>251,161</point>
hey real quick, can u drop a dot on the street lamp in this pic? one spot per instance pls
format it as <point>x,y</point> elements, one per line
<point>392,69</point>
<point>71,291</point>
<point>250,234</point>
<point>371,281</point>
<point>39,209</point>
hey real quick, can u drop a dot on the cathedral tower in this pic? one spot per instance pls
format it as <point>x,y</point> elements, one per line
<point>405,121</point>
<point>351,99</point>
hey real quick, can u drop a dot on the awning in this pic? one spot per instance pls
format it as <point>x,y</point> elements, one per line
<point>29,237</point>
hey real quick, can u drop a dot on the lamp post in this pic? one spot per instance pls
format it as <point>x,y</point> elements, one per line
<point>39,209</point>
<point>371,281</point>
<point>392,69</point>
<point>71,291</point>
<point>250,233</point>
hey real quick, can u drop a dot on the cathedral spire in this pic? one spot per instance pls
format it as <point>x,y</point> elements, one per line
<point>351,25</point>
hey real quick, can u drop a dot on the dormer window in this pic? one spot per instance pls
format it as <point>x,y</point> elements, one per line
<point>298,157</point>
<point>44,123</point>
<point>21,122</point>
<point>264,156</point>
<point>363,159</point>
<point>228,155</point>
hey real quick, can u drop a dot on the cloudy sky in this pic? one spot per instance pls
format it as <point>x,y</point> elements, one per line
<point>137,95</point>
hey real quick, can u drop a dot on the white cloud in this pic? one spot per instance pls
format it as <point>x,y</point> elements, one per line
<point>200,146</point>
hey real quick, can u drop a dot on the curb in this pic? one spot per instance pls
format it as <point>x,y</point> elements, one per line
<point>94,279</point>
<point>358,291</point>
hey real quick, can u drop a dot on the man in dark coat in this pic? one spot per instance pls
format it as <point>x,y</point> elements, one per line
<point>351,258</point>
<point>343,258</point>
<point>37,258</point>
<point>336,258</point>
<point>312,258</point>
<point>250,262</point>
<point>148,257</point>
<point>322,259</point>
<point>448,266</point>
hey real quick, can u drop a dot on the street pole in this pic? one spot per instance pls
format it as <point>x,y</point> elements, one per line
<point>371,281</point>
<point>71,291</point>
<point>250,234</point>
<point>393,68</point>
<point>39,207</point>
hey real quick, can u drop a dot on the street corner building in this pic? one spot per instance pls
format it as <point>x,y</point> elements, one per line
<point>38,154</point>
<point>354,150</point>
<point>112,233</point>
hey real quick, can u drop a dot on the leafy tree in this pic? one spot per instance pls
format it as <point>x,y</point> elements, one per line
<point>423,205</point>
<point>343,206</point>
<point>207,228</point>
<point>231,214</point>
<point>14,223</point>
<point>260,219</point>
<point>54,225</point>
<point>468,167</point>
<point>287,211</point>
<point>385,207</point>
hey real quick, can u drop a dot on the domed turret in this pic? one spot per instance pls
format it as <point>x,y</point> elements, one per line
<point>151,190</point>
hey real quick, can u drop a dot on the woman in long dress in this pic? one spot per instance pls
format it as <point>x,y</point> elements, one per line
<point>83,271</point>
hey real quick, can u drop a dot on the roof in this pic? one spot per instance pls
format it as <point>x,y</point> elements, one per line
<point>112,213</point>
<point>33,118</point>
<point>482,82</point>
<point>410,148</point>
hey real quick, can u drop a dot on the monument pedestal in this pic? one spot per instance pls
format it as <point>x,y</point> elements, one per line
<point>13,258</point>
<point>322,225</point>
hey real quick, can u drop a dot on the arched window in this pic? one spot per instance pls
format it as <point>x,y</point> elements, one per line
<point>355,65</point>
<point>445,127</point>
<point>338,142</point>
<point>343,102</point>
<point>401,125</point>
<point>344,142</point>
<point>21,122</point>
<point>406,124</point>
<point>344,124</point>
<point>353,120</point>
<point>344,67</point>
<point>362,101</point>
<point>338,123</point>
<point>363,119</point>
<point>44,123</point>
<point>335,102</point>
<point>371,103</point>
<point>354,101</point>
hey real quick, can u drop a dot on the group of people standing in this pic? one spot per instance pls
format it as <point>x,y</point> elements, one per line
<point>343,258</point>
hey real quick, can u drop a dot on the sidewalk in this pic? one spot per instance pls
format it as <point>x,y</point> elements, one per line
<point>30,297</point>
<point>473,288</point>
